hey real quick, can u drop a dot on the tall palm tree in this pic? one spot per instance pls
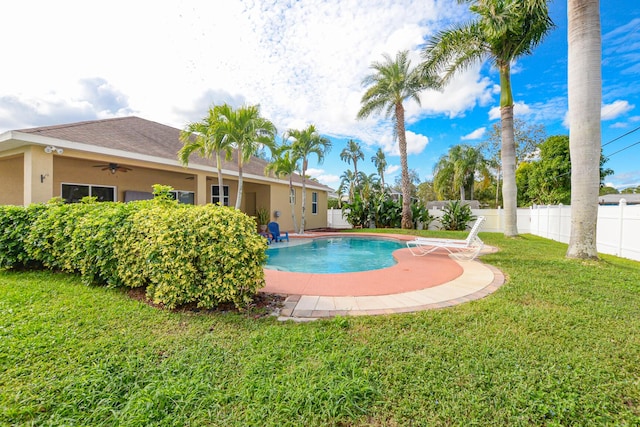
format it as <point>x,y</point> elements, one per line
<point>503,31</point>
<point>284,163</point>
<point>247,132</point>
<point>305,143</point>
<point>585,97</point>
<point>380,162</point>
<point>392,82</point>
<point>352,152</point>
<point>201,138</point>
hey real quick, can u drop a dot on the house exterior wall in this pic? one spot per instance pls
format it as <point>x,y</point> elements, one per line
<point>71,170</point>
<point>11,173</point>
<point>28,174</point>
<point>280,203</point>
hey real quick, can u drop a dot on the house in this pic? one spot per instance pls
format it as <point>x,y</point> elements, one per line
<point>614,199</point>
<point>120,159</point>
<point>441,204</point>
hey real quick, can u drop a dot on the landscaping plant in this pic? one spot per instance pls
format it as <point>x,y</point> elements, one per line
<point>456,216</point>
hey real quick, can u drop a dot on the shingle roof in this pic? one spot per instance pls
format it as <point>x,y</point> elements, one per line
<point>140,136</point>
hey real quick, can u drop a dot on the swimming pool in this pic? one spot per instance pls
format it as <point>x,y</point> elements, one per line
<point>334,255</point>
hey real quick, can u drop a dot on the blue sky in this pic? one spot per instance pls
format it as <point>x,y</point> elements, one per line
<point>303,62</point>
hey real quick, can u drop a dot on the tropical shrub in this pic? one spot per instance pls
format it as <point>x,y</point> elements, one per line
<point>15,223</point>
<point>388,213</point>
<point>420,214</point>
<point>456,216</point>
<point>206,255</point>
<point>193,254</point>
<point>356,213</point>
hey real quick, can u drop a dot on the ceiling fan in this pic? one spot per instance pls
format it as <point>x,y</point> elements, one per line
<point>113,168</point>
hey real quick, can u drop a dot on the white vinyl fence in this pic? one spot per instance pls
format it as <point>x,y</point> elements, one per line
<point>618,230</point>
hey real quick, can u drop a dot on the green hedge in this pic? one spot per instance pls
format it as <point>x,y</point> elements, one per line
<point>205,255</point>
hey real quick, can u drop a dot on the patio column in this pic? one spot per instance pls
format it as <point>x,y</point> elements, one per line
<point>201,189</point>
<point>38,175</point>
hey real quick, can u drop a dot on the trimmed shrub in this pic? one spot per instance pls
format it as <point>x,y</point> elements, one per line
<point>15,225</point>
<point>183,254</point>
<point>193,254</point>
<point>99,230</point>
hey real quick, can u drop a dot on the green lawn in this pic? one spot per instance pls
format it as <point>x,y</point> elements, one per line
<point>558,344</point>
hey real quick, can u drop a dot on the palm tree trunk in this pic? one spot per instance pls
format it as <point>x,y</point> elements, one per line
<point>585,97</point>
<point>304,194</point>
<point>220,184</point>
<point>406,221</point>
<point>292,202</point>
<point>508,154</point>
<point>498,187</point>
<point>239,194</point>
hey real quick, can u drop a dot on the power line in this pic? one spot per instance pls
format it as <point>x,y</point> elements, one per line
<point>622,149</point>
<point>621,136</point>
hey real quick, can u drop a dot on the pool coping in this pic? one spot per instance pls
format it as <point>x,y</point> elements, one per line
<point>476,281</point>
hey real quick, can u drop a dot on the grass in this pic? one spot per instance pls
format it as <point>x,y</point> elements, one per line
<point>558,344</point>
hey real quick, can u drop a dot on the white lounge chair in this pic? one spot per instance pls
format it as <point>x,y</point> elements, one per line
<point>466,249</point>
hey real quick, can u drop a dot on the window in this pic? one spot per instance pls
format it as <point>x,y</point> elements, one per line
<point>187,197</point>
<point>292,196</point>
<point>73,193</point>
<point>215,195</point>
<point>314,203</point>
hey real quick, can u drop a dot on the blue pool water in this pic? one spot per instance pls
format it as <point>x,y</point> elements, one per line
<point>334,255</point>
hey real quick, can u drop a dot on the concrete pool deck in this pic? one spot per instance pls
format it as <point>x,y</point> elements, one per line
<point>413,284</point>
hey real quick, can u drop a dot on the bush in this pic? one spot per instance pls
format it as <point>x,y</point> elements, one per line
<point>205,255</point>
<point>193,254</point>
<point>456,216</point>
<point>15,224</point>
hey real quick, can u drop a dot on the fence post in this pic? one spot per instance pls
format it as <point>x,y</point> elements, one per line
<point>621,205</point>
<point>560,222</point>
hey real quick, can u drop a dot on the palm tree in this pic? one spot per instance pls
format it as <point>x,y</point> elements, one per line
<point>585,97</point>
<point>348,180</point>
<point>285,164</point>
<point>392,82</point>
<point>202,138</point>
<point>352,152</point>
<point>457,170</point>
<point>504,31</point>
<point>368,184</point>
<point>380,162</point>
<point>248,132</point>
<point>306,142</point>
<point>445,179</point>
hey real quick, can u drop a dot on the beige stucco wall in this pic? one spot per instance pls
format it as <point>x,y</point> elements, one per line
<point>11,173</point>
<point>70,170</point>
<point>280,202</point>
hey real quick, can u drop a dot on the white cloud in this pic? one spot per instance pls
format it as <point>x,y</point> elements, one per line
<point>416,143</point>
<point>465,91</point>
<point>615,109</point>
<point>476,134</point>
<point>392,169</point>
<point>520,109</point>
<point>303,62</point>
<point>323,177</point>
<point>609,112</point>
